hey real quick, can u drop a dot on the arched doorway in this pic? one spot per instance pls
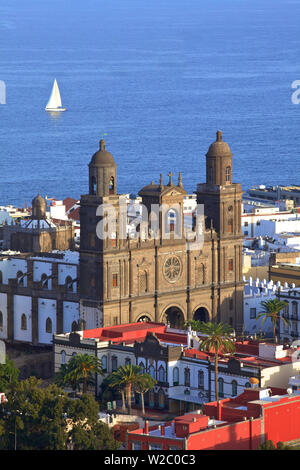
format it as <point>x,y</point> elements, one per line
<point>174,317</point>
<point>201,314</point>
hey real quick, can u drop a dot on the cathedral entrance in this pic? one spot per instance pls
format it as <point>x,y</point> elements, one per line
<point>201,314</point>
<point>174,317</point>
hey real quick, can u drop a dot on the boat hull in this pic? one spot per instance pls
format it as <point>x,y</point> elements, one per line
<point>57,110</point>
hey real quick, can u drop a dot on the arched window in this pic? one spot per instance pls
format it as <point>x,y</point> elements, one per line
<point>294,309</point>
<point>63,357</point>
<point>161,399</point>
<point>152,371</point>
<point>48,325</point>
<point>114,363</point>
<point>68,283</point>
<point>230,226</point>
<point>111,185</point>
<point>74,326</point>
<point>234,388</point>
<point>151,398</point>
<point>247,385</point>
<point>221,387</point>
<point>175,376</point>
<point>23,322</point>
<point>228,175</point>
<point>20,278</point>
<point>172,220</point>
<point>93,185</point>
<point>44,281</point>
<point>201,379</point>
<point>127,361</point>
<point>1,321</point>
<point>187,377</point>
<point>161,374</point>
<point>104,363</point>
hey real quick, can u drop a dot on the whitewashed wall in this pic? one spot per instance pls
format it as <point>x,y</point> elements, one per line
<point>40,268</point>
<point>47,309</point>
<point>3,309</point>
<point>22,304</point>
<point>70,314</point>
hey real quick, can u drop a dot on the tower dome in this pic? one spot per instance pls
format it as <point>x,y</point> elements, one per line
<point>102,157</point>
<point>39,206</point>
<point>219,148</point>
<point>219,162</point>
<point>102,173</point>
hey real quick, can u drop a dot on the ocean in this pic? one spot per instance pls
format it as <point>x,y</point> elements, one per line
<point>156,79</point>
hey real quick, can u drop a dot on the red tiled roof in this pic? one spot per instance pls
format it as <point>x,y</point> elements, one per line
<point>75,214</point>
<point>69,202</point>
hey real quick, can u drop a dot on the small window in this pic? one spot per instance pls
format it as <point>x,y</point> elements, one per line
<point>68,283</point>
<point>115,280</point>
<point>201,379</point>
<point>234,388</point>
<point>74,326</point>
<point>230,304</point>
<point>230,265</point>
<point>127,361</point>
<point>1,321</point>
<point>104,363</point>
<point>23,322</point>
<point>92,280</point>
<point>228,175</point>
<point>221,387</point>
<point>114,363</point>
<point>44,280</point>
<point>63,357</point>
<point>252,313</point>
<point>175,376</point>
<point>187,377</point>
<point>48,325</point>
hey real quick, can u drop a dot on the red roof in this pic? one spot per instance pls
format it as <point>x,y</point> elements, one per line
<point>70,202</point>
<point>125,333</point>
<point>75,214</point>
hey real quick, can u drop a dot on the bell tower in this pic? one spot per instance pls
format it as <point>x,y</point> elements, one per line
<point>102,173</point>
<point>222,201</point>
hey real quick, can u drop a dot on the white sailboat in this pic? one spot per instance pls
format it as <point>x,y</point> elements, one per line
<point>54,103</point>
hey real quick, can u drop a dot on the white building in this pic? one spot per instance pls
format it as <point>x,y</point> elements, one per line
<point>38,296</point>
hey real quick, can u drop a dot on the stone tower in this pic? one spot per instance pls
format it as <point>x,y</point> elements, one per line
<point>222,200</point>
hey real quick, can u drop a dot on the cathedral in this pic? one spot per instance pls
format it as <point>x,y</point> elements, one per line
<point>163,278</point>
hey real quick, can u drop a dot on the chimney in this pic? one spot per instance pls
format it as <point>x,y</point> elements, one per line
<point>146,427</point>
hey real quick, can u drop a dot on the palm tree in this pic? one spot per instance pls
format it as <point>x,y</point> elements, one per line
<point>271,309</point>
<point>218,341</point>
<point>126,377</point>
<point>144,383</point>
<point>81,368</point>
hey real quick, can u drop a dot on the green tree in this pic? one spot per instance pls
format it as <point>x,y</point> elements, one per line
<point>218,341</point>
<point>86,431</point>
<point>271,309</point>
<point>126,377</point>
<point>39,418</point>
<point>143,384</point>
<point>8,374</point>
<point>269,445</point>
<point>81,368</point>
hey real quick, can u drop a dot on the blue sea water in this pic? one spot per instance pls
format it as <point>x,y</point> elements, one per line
<point>157,78</point>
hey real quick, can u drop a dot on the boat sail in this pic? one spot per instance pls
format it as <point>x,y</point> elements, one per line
<point>54,103</point>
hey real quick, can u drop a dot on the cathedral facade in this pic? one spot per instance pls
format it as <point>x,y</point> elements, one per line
<point>162,278</point>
